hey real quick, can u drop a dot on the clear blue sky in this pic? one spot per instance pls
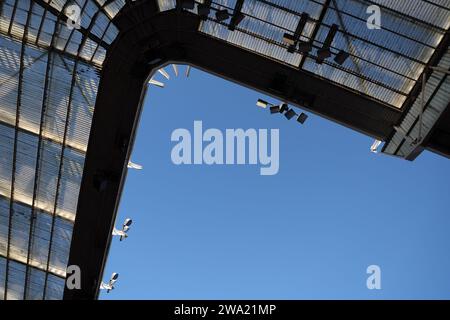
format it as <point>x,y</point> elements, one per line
<point>309,232</point>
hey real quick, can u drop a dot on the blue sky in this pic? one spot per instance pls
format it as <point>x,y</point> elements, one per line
<point>309,232</point>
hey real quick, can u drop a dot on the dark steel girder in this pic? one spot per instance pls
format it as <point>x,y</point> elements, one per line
<point>149,35</point>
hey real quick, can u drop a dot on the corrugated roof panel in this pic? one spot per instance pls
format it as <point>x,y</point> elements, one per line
<point>422,10</point>
<point>16,280</point>
<point>437,98</point>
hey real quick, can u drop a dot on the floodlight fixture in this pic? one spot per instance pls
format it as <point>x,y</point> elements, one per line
<point>123,234</point>
<point>175,69</point>
<point>290,114</point>
<point>127,222</point>
<point>341,57</point>
<point>325,52</point>
<point>110,285</point>
<point>135,166</point>
<point>262,104</point>
<point>289,39</point>
<point>305,47</point>
<point>274,109</point>
<point>164,73</point>
<point>293,39</point>
<point>203,9</point>
<point>156,83</point>
<point>236,19</point>
<point>222,15</point>
<point>302,118</point>
<point>238,16</point>
<point>283,107</point>
<point>375,145</point>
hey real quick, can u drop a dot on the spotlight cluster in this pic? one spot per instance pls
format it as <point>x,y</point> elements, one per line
<point>282,108</point>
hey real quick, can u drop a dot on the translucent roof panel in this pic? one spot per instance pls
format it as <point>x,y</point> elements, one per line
<point>47,100</point>
<point>384,63</point>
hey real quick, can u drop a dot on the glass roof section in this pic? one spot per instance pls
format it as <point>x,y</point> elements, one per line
<point>49,77</point>
<point>384,64</point>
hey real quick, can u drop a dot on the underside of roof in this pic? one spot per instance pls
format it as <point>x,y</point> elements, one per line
<point>70,99</point>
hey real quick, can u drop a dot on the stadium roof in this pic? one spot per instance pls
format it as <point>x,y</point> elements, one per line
<point>70,100</point>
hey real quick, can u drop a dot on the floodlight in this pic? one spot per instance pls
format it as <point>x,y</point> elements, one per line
<point>222,15</point>
<point>127,222</point>
<point>290,114</point>
<point>203,10</point>
<point>305,47</point>
<point>110,285</point>
<point>188,71</point>
<point>123,234</point>
<point>114,276</point>
<point>135,166</point>
<point>236,20</point>
<point>341,57</point>
<point>238,16</point>
<point>156,83</point>
<point>275,109</point>
<point>293,40</point>
<point>375,145</point>
<point>323,54</point>
<point>302,118</point>
<point>175,69</point>
<point>164,73</point>
<point>283,107</point>
<point>289,39</point>
<point>261,103</point>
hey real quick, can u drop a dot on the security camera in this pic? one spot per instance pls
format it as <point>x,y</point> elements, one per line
<point>124,232</point>
<point>110,285</point>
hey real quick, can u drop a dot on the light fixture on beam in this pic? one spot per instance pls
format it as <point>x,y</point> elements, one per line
<point>289,39</point>
<point>222,15</point>
<point>290,114</point>
<point>164,73</point>
<point>262,104</point>
<point>298,32</point>
<point>325,52</point>
<point>188,71</point>
<point>175,69</point>
<point>322,54</point>
<point>156,83</point>
<point>203,9</point>
<point>236,20</point>
<point>305,47</point>
<point>123,233</point>
<point>238,16</point>
<point>283,107</point>
<point>135,166</point>
<point>110,285</point>
<point>341,57</point>
<point>375,145</point>
<point>302,118</point>
<point>274,109</point>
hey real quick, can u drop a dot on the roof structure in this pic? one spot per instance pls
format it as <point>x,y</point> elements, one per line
<point>70,98</point>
